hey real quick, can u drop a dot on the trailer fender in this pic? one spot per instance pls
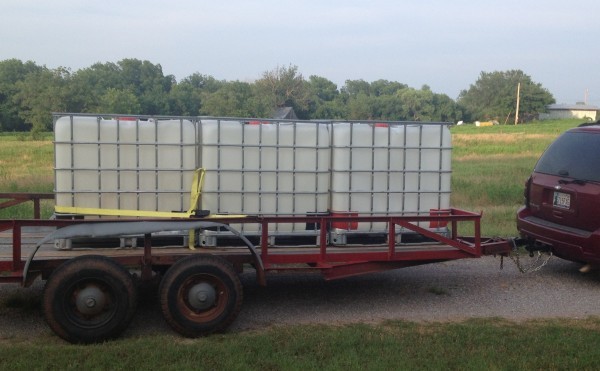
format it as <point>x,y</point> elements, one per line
<point>114,229</point>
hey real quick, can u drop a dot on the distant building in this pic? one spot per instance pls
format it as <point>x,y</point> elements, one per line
<point>283,113</point>
<point>570,111</point>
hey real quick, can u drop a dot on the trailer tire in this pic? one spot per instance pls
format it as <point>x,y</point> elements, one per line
<point>89,299</point>
<point>200,295</point>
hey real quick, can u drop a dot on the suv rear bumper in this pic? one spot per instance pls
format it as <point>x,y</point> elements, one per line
<point>566,242</point>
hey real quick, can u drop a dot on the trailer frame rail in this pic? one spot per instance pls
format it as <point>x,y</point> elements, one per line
<point>331,261</point>
<point>14,199</point>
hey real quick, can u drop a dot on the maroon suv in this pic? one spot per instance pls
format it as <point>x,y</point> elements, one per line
<point>562,198</point>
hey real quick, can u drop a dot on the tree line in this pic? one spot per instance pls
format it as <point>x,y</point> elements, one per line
<point>30,92</point>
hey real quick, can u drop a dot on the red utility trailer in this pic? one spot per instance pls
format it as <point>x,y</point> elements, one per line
<point>330,197</point>
<point>90,293</point>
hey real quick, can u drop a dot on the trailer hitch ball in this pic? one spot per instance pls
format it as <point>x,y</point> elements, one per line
<point>202,296</point>
<point>91,300</point>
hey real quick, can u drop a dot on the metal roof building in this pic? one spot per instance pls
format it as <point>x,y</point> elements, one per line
<point>568,111</point>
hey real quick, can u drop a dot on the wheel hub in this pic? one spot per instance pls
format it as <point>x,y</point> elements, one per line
<point>202,296</point>
<point>90,301</point>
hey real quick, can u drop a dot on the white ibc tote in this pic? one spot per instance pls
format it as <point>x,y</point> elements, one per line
<point>265,168</point>
<point>389,168</point>
<point>122,163</point>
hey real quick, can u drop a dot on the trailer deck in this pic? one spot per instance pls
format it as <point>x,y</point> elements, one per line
<point>19,243</point>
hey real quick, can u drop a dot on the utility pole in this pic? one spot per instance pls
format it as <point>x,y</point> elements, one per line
<point>518,98</point>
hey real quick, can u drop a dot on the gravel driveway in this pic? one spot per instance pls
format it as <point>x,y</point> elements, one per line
<point>449,291</point>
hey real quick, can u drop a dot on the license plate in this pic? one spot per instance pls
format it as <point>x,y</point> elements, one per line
<point>562,200</point>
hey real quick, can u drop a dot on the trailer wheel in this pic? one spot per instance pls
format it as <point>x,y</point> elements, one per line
<point>89,299</point>
<point>200,295</point>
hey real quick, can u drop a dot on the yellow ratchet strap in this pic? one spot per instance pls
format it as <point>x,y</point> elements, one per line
<point>195,194</point>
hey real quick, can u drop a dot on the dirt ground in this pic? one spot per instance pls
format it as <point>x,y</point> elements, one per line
<point>450,291</point>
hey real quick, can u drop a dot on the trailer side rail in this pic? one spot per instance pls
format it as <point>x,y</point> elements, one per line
<point>13,199</point>
<point>348,261</point>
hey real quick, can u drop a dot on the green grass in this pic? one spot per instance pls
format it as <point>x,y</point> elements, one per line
<point>476,344</point>
<point>26,166</point>
<point>491,164</point>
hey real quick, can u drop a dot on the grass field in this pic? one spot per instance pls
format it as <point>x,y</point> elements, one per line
<point>492,344</point>
<point>490,165</point>
<point>26,166</point>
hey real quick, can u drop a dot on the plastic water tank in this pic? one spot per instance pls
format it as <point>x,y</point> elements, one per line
<point>272,168</point>
<point>124,164</point>
<point>389,169</point>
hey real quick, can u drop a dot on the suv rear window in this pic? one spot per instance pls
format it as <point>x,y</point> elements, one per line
<point>575,155</point>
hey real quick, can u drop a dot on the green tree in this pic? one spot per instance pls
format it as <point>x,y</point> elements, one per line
<point>119,101</point>
<point>42,93</point>
<point>234,99</point>
<point>187,97</point>
<point>378,100</point>
<point>389,108</point>
<point>494,96</point>
<point>322,88</point>
<point>394,101</point>
<point>325,99</point>
<point>184,100</point>
<point>335,110</point>
<point>446,109</point>
<point>11,72</point>
<point>385,87</point>
<point>355,87</point>
<point>417,104</point>
<point>91,84</point>
<point>143,79</point>
<point>29,93</point>
<point>361,107</point>
<point>284,87</point>
<point>203,83</point>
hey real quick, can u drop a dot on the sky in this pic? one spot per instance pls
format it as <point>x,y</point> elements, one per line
<point>443,44</point>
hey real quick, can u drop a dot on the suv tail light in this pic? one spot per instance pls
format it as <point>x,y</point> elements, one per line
<point>526,191</point>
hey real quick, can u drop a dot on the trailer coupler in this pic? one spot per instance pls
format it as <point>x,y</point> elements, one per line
<point>532,246</point>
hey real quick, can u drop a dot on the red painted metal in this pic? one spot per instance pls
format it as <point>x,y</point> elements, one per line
<point>355,269</point>
<point>147,260</point>
<point>332,261</point>
<point>16,250</point>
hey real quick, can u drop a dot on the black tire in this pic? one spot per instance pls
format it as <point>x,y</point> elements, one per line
<point>89,299</point>
<point>200,295</point>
